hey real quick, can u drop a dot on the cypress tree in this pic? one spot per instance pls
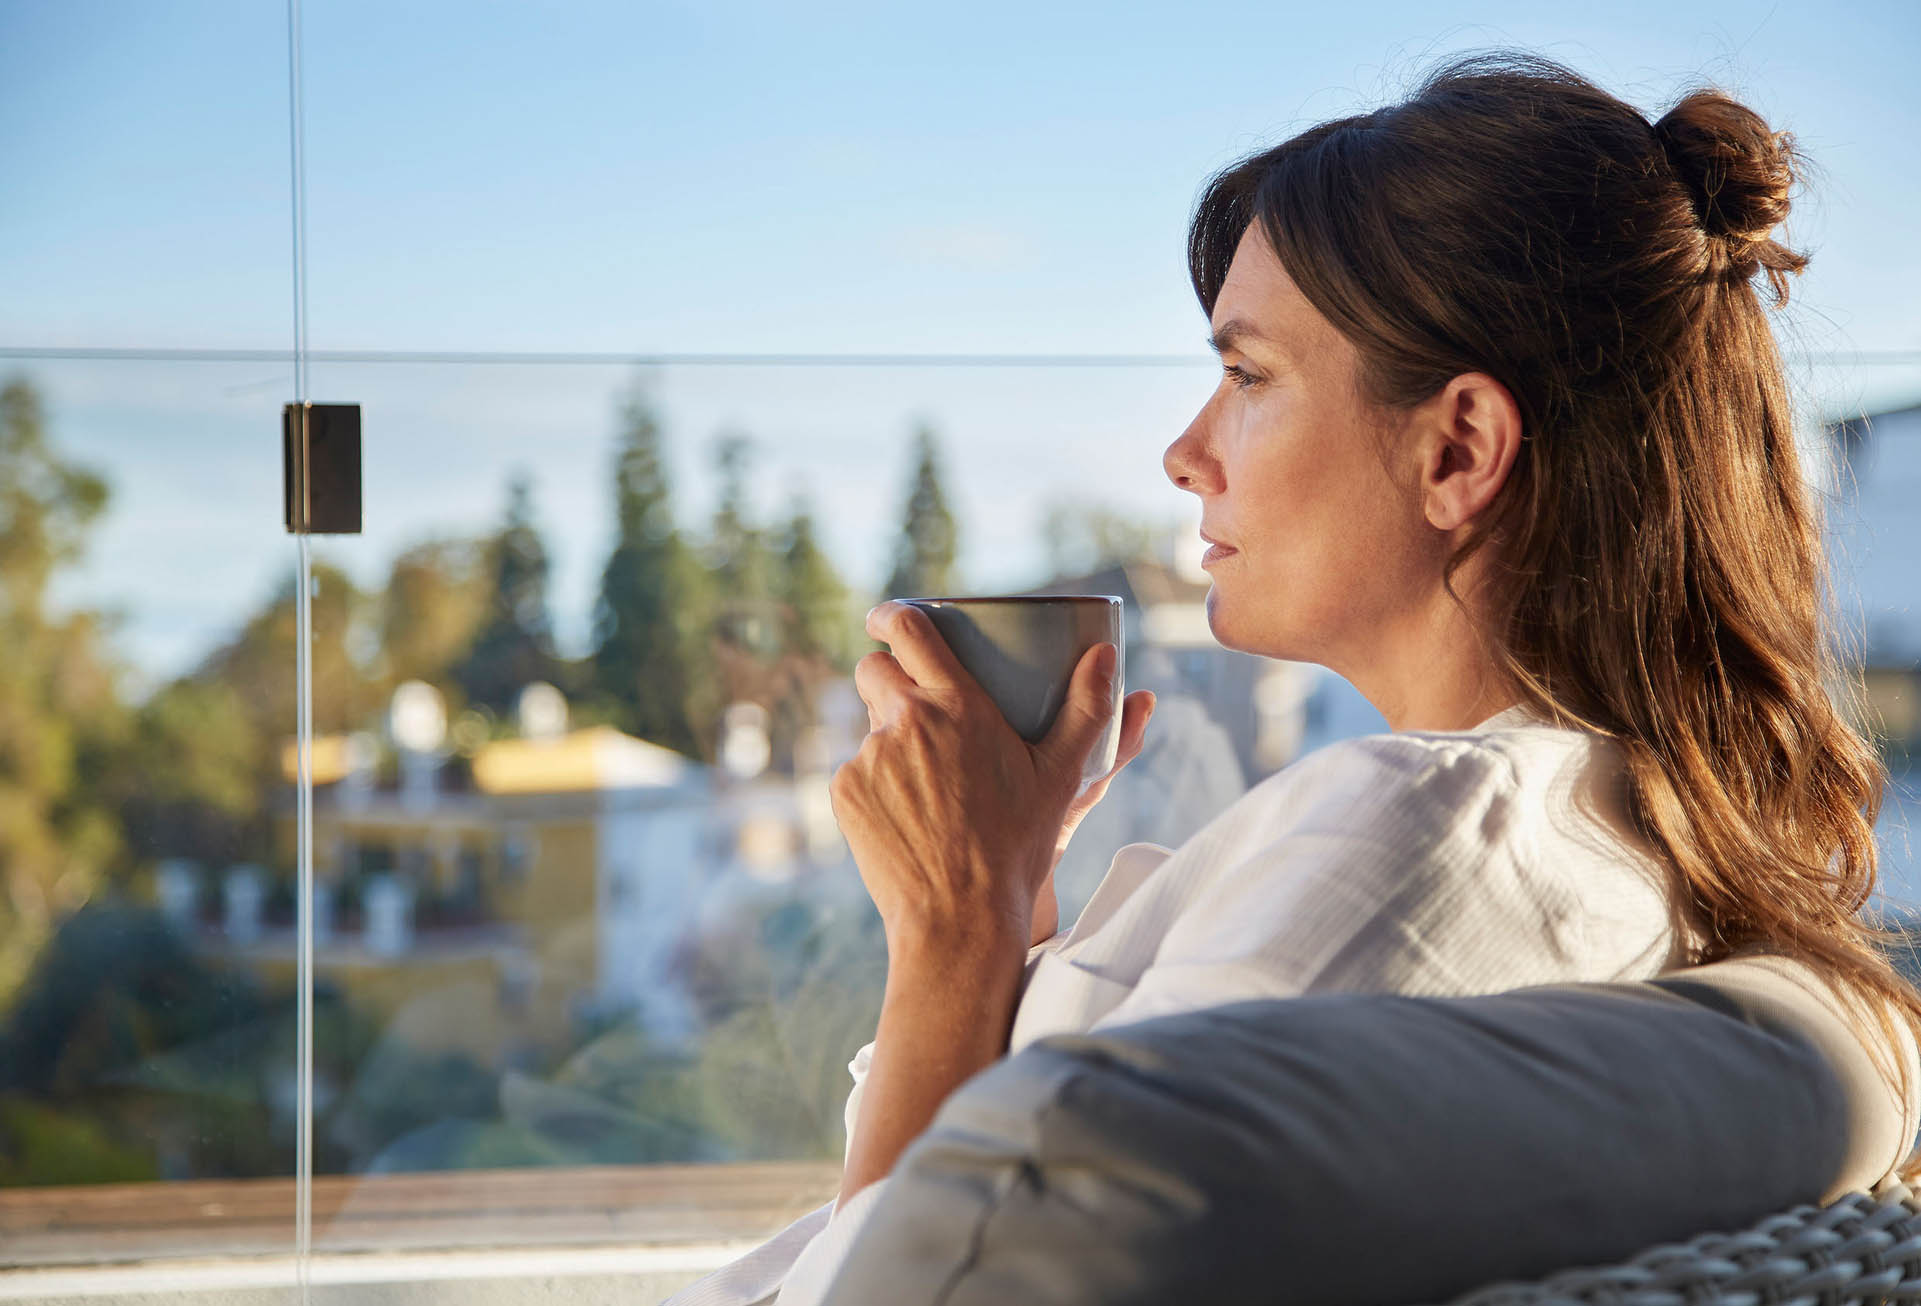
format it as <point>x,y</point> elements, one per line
<point>812,596</point>
<point>925,552</point>
<point>516,643</point>
<point>739,557</point>
<point>652,614</point>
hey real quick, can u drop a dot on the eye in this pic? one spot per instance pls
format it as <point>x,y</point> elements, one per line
<point>1238,377</point>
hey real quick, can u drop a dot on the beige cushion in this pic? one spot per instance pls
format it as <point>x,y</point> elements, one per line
<point>1785,994</point>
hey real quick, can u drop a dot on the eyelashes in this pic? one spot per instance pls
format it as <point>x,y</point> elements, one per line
<point>1237,376</point>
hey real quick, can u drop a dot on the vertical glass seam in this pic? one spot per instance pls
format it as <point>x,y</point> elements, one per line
<point>303,673</point>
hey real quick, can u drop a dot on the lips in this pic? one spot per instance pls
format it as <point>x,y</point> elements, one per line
<point>1216,550</point>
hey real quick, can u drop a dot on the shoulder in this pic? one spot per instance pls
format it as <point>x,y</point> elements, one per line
<point>1409,791</point>
<point>1405,769</point>
<point>1511,757</point>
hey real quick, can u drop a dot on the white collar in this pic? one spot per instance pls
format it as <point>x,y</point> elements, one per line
<point>1517,715</point>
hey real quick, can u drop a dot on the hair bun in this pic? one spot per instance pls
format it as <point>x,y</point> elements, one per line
<point>1738,174</point>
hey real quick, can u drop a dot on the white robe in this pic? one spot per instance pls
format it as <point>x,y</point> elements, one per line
<point>1424,863</point>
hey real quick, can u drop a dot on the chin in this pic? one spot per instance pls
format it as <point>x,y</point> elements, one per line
<point>1222,627</point>
<point>1263,643</point>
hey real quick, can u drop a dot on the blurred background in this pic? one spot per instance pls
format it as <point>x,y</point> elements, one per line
<point>682,334</point>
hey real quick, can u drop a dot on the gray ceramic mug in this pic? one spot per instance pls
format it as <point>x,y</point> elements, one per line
<point>1023,650</point>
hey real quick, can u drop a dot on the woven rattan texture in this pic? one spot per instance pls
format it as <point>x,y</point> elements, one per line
<point>1856,1249</point>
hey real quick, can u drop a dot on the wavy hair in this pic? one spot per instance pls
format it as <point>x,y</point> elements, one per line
<point>1655,568</point>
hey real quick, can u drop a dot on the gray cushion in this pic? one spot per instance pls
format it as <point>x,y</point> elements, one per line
<point>1350,1148</point>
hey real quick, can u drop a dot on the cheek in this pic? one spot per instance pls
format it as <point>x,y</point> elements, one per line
<point>1326,534</point>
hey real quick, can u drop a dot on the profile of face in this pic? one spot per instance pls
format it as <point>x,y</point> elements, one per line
<point>1330,544</point>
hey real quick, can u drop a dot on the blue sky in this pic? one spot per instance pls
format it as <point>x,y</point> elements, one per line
<point>753,178</point>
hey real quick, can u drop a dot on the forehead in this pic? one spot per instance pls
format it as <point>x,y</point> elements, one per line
<point>1260,299</point>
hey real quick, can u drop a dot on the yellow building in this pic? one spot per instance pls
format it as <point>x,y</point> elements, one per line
<point>483,908</point>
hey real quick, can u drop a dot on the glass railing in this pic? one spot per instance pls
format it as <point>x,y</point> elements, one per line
<point>590,955</point>
<point>571,816</point>
<point>147,1045</point>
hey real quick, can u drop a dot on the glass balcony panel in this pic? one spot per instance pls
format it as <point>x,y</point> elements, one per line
<point>592,917</point>
<point>591,910</point>
<point>148,1091</point>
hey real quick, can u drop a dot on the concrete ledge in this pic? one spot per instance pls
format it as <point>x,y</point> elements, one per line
<point>576,1276</point>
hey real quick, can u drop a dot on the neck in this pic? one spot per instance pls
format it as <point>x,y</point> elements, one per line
<point>1432,672</point>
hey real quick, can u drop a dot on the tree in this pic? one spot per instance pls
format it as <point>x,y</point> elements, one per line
<point>431,610</point>
<point>123,1046</point>
<point>258,663</point>
<point>192,784</point>
<point>738,557</point>
<point>60,717</point>
<point>1082,537</point>
<point>227,723</point>
<point>515,645</point>
<point>652,613</point>
<point>812,596</point>
<point>928,544</point>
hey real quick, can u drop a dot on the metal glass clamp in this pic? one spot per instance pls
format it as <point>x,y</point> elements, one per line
<point>320,468</point>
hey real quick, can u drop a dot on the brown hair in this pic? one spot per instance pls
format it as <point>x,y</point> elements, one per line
<point>1655,562</point>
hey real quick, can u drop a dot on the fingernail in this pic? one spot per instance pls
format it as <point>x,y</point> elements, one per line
<point>1105,659</point>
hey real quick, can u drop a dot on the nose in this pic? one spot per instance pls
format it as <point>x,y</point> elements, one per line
<point>1187,462</point>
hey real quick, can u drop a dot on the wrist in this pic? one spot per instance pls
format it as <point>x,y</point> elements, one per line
<point>1047,913</point>
<point>956,948</point>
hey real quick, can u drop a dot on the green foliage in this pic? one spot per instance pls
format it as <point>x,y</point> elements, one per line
<point>123,1054</point>
<point>43,1145</point>
<point>114,986</point>
<point>1082,537</point>
<point>46,504</point>
<point>189,783</point>
<point>226,724</point>
<point>929,543</point>
<point>257,664</point>
<point>812,596</point>
<point>515,644</point>
<point>436,596</point>
<point>126,1057</point>
<point>739,558</point>
<point>655,603</point>
<point>60,715</point>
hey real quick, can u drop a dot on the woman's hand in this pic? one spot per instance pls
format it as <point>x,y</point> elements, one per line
<point>954,820</point>
<point>1136,710</point>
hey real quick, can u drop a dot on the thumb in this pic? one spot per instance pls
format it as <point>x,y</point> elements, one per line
<point>1089,705</point>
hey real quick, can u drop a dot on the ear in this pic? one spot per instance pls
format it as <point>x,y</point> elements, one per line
<point>1471,432</point>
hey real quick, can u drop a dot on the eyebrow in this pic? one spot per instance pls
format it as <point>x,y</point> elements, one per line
<point>1234,330</point>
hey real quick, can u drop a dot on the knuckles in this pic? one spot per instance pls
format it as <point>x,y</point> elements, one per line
<point>843,784</point>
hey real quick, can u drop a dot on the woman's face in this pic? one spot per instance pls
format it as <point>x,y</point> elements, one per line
<point>1329,553</point>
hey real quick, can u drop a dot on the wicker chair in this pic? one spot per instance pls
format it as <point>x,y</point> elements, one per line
<point>1860,1248</point>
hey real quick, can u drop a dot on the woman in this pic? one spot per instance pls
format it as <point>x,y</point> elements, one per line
<point>1502,437</point>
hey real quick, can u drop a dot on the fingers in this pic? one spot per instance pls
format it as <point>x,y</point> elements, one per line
<point>883,686</point>
<point>1137,709</point>
<point>916,644</point>
<point>1090,702</point>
